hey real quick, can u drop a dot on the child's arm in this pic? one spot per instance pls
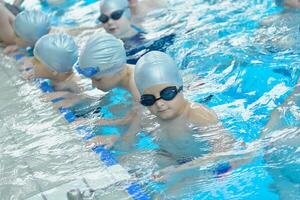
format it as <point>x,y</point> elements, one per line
<point>128,119</point>
<point>222,144</point>
<point>123,143</point>
<point>223,158</point>
<point>75,31</point>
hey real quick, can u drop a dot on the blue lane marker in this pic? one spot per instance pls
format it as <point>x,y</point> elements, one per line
<point>56,100</point>
<point>19,56</point>
<point>105,156</point>
<point>135,190</point>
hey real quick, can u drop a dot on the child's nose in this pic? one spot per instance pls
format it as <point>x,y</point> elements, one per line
<point>110,21</point>
<point>160,103</point>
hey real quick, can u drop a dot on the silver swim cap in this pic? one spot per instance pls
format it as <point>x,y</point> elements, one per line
<point>31,25</point>
<point>103,54</point>
<point>109,6</point>
<point>156,68</point>
<point>57,51</point>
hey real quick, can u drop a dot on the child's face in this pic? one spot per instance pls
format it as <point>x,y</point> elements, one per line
<point>106,83</point>
<point>165,109</point>
<point>117,27</point>
<point>292,3</point>
<point>40,70</point>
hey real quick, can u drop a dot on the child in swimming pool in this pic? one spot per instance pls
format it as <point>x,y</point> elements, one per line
<point>116,18</point>
<point>189,134</point>
<point>121,14</point>
<point>54,58</point>
<point>28,26</point>
<point>103,60</point>
<point>7,36</point>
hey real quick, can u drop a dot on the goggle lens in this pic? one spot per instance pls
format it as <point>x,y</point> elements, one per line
<point>166,94</point>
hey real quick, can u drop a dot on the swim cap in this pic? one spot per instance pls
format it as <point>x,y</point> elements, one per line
<point>57,51</point>
<point>156,68</point>
<point>102,55</point>
<point>109,6</point>
<point>31,25</point>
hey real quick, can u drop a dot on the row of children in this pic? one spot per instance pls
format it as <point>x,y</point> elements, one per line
<point>154,82</point>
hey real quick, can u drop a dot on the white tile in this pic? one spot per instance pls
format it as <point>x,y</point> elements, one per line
<point>35,197</point>
<point>60,192</point>
<point>119,173</point>
<point>100,180</point>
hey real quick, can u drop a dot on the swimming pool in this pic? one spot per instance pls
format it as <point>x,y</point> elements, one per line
<point>221,56</point>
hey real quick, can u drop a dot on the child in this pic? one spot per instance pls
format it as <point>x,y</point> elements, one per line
<point>7,36</point>
<point>189,134</point>
<point>29,26</point>
<point>103,60</point>
<point>115,18</point>
<point>54,58</point>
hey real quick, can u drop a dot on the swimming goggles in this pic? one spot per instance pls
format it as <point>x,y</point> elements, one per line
<point>166,94</point>
<point>116,15</point>
<point>88,72</point>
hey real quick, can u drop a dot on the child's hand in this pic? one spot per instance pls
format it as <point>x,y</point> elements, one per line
<point>10,49</point>
<point>66,103</point>
<point>83,122</point>
<point>107,141</point>
<point>54,95</point>
<point>27,74</point>
<point>24,62</point>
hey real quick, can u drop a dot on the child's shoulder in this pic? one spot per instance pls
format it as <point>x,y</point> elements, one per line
<point>202,115</point>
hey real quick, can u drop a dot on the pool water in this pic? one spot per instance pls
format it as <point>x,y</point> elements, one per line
<point>225,54</point>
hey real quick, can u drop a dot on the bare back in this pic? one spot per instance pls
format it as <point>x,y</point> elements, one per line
<point>7,35</point>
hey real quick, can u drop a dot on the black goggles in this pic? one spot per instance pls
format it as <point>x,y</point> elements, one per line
<point>166,94</point>
<point>114,15</point>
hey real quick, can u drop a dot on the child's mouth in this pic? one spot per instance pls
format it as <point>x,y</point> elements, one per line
<point>161,111</point>
<point>112,29</point>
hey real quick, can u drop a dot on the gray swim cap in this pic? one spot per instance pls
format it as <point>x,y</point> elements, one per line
<point>156,68</point>
<point>104,53</point>
<point>108,6</point>
<point>57,51</point>
<point>31,25</point>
